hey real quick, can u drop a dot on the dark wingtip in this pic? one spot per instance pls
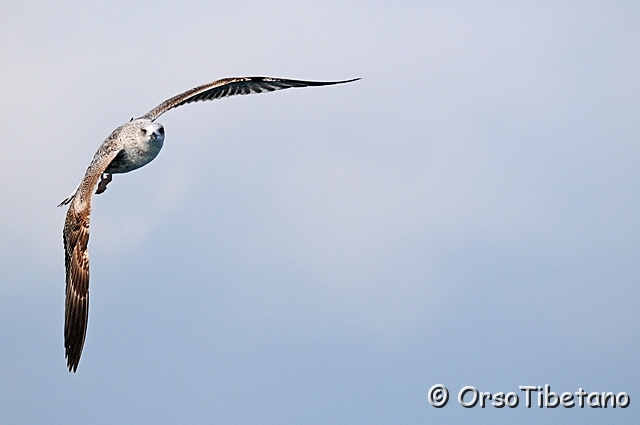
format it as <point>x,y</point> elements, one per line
<point>72,365</point>
<point>342,81</point>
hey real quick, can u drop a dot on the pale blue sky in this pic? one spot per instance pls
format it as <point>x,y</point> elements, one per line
<point>466,214</point>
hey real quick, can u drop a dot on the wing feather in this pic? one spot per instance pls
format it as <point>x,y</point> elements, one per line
<point>231,87</point>
<point>75,238</point>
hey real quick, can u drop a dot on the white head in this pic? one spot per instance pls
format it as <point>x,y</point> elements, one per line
<point>147,132</point>
<point>142,139</point>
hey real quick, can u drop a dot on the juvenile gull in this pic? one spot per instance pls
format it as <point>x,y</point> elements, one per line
<point>129,147</point>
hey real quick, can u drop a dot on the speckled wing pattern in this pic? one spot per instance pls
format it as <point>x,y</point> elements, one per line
<point>231,87</point>
<point>75,236</point>
<point>76,226</point>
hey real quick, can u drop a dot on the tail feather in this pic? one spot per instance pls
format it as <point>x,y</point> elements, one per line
<point>68,199</point>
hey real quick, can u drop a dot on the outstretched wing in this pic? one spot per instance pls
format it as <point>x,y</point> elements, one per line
<point>76,261</point>
<point>231,87</point>
<point>75,237</point>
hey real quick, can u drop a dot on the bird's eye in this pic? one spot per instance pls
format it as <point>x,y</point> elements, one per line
<point>144,131</point>
<point>161,130</point>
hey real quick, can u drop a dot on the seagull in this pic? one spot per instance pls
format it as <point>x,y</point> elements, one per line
<point>128,148</point>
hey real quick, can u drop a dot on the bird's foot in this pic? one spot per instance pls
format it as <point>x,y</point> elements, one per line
<point>105,178</point>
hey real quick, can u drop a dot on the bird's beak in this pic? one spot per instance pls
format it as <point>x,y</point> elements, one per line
<point>154,136</point>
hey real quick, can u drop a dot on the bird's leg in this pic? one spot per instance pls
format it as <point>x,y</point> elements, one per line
<point>105,178</point>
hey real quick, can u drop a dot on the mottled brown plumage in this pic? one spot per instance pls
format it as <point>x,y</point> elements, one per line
<point>129,147</point>
<point>75,237</point>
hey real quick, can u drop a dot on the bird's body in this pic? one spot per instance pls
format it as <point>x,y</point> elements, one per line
<point>143,140</point>
<point>129,147</point>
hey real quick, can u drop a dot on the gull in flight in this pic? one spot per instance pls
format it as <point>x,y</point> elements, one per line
<point>129,147</point>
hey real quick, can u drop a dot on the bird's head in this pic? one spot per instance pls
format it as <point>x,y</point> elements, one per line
<point>147,131</point>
